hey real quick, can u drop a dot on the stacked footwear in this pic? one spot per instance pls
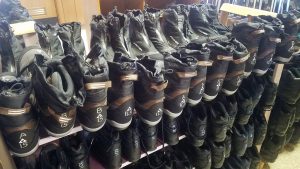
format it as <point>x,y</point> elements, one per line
<point>13,12</point>
<point>145,76</point>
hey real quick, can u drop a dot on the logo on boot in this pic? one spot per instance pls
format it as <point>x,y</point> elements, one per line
<point>128,112</point>
<point>99,115</point>
<point>23,142</point>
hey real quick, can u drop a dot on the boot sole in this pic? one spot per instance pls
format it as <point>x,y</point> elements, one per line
<point>283,60</point>
<point>246,74</point>
<point>208,97</point>
<point>228,92</point>
<point>59,134</point>
<point>119,125</point>
<point>150,123</point>
<point>260,72</point>
<point>171,114</point>
<point>194,102</point>
<point>28,153</point>
<point>92,129</point>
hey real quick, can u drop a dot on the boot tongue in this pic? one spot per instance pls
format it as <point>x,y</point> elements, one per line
<point>96,63</point>
<point>183,60</point>
<point>153,68</point>
<point>239,51</point>
<point>56,81</point>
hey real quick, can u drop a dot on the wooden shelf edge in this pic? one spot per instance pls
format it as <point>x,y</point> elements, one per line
<point>150,152</point>
<point>23,27</point>
<point>244,11</point>
<point>51,138</point>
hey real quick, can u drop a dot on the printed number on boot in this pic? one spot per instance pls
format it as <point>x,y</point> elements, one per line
<point>99,116</point>
<point>23,142</point>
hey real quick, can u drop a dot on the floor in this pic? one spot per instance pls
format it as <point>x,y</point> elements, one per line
<point>287,160</point>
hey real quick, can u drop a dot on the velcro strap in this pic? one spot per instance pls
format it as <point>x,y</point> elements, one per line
<point>276,40</point>
<point>150,103</point>
<point>205,63</point>
<point>176,93</point>
<point>133,77</point>
<point>242,60</point>
<point>197,81</point>
<point>91,105</point>
<point>226,58</point>
<point>15,112</point>
<point>234,74</point>
<point>64,117</point>
<point>216,76</point>
<point>122,100</point>
<point>296,21</point>
<point>97,85</point>
<point>257,32</point>
<point>159,87</point>
<point>186,74</point>
<point>27,126</point>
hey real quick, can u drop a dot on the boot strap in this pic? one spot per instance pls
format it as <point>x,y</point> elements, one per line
<point>133,77</point>
<point>215,76</point>
<point>159,87</point>
<point>242,60</point>
<point>65,117</point>
<point>257,32</point>
<point>97,85</point>
<point>15,112</point>
<point>197,81</point>
<point>176,93</point>
<point>225,58</point>
<point>150,103</point>
<point>276,40</point>
<point>186,74</point>
<point>91,105</point>
<point>205,63</point>
<point>296,21</point>
<point>27,126</point>
<point>234,74</point>
<point>121,100</point>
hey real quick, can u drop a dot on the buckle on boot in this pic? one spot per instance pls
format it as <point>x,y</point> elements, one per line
<point>242,60</point>
<point>276,40</point>
<point>186,74</point>
<point>205,63</point>
<point>97,85</point>
<point>257,32</point>
<point>15,112</point>
<point>133,77</point>
<point>225,58</point>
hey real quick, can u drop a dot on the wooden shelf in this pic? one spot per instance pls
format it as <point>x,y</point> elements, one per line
<point>244,11</point>
<point>23,28</point>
